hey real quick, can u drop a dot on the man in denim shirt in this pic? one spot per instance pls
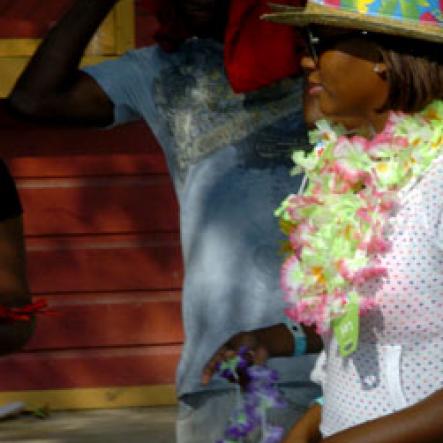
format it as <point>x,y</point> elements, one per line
<point>228,156</point>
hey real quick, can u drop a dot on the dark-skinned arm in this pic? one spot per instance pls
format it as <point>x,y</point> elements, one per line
<point>307,428</point>
<point>14,291</point>
<point>420,423</point>
<point>272,341</point>
<point>52,88</point>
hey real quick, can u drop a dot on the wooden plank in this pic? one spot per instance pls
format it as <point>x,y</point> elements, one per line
<point>99,205</point>
<point>109,320</point>
<point>107,263</point>
<point>19,138</point>
<point>95,368</point>
<point>86,165</point>
<point>49,151</point>
<point>27,40</point>
<point>12,66</point>
<point>21,31</point>
<point>98,398</point>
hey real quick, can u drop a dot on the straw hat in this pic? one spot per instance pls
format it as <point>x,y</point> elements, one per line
<point>419,19</point>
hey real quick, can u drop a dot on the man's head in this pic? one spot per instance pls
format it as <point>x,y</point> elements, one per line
<point>181,19</point>
<point>204,18</point>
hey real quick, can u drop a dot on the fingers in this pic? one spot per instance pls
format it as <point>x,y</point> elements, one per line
<point>256,354</point>
<point>211,367</point>
<point>260,356</point>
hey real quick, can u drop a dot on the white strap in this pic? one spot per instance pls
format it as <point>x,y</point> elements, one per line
<point>393,379</point>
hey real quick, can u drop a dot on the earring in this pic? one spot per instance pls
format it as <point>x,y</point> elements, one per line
<point>377,68</point>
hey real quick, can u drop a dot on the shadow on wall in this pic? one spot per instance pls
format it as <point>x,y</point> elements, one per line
<point>101,225</point>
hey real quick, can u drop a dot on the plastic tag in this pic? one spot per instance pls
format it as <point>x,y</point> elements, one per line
<point>347,327</point>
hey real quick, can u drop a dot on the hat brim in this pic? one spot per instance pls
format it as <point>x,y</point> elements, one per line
<point>313,13</point>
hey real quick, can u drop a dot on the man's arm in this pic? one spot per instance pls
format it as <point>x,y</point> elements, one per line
<point>273,341</point>
<point>14,289</point>
<point>52,87</point>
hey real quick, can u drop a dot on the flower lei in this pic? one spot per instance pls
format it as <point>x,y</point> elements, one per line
<point>259,394</point>
<point>337,227</point>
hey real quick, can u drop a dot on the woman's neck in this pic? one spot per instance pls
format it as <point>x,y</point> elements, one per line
<point>378,121</point>
<point>367,126</point>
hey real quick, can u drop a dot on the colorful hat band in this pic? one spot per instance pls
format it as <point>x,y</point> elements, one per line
<point>421,19</point>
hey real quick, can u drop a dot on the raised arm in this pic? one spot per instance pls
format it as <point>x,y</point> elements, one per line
<point>52,88</point>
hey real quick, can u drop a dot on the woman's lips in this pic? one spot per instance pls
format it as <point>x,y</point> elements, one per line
<point>315,89</point>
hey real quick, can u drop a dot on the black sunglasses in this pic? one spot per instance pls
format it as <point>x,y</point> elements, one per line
<point>316,44</point>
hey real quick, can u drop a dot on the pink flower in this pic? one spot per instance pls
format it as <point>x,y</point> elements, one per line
<point>299,236</point>
<point>365,214</point>
<point>428,17</point>
<point>367,273</point>
<point>348,173</point>
<point>334,3</point>
<point>366,304</point>
<point>361,275</point>
<point>377,245</point>
<point>344,271</point>
<point>362,142</point>
<point>287,282</point>
<point>298,202</point>
<point>343,146</point>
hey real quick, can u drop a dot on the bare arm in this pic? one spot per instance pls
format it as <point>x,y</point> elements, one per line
<point>52,87</point>
<point>422,422</point>
<point>14,289</point>
<point>273,341</point>
<point>307,429</point>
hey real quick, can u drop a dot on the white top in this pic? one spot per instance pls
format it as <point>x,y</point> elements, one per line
<point>399,360</point>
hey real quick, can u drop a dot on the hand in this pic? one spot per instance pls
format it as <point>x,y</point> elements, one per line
<point>272,341</point>
<point>258,352</point>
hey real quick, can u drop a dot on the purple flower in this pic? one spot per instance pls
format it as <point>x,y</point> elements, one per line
<point>260,394</point>
<point>273,434</point>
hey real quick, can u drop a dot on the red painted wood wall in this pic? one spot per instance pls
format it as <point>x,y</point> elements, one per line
<point>103,247</point>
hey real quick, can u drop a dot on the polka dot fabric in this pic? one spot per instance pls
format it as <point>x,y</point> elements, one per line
<point>400,356</point>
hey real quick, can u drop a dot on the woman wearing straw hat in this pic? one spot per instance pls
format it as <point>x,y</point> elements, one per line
<point>366,236</point>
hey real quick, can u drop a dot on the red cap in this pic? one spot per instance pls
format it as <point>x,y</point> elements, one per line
<point>257,52</point>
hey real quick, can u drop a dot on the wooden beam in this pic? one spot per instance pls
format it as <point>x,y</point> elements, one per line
<point>94,398</point>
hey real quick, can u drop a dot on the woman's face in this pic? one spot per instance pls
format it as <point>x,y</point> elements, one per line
<point>345,73</point>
